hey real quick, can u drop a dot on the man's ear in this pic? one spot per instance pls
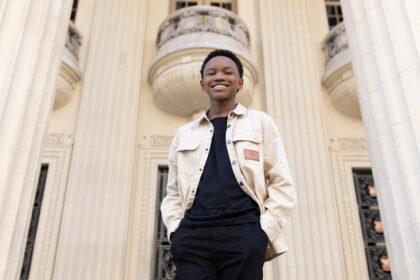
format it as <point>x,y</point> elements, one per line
<point>202,85</point>
<point>241,84</point>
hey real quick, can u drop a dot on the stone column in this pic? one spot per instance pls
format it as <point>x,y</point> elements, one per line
<point>32,36</point>
<point>292,56</point>
<point>384,39</point>
<point>94,235</point>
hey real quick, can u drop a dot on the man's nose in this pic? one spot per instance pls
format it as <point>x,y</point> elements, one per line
<point>219,76</point>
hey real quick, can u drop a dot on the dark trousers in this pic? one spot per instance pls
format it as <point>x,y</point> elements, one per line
<point>227,252</point>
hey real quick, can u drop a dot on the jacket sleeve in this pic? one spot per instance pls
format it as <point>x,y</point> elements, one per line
<point>281,195</point>
<point>171,207</point>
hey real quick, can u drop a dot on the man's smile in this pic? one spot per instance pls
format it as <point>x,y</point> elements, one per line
<point>219,86</point>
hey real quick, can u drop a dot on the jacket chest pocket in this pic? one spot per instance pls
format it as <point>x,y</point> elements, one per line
<point>248,147</point>
<point>187,152</point>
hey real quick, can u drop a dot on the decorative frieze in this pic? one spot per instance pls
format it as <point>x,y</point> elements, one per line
<point>160,140</point>
<point>348,144</point>
<point>57,139</point>
<point>203,19</point>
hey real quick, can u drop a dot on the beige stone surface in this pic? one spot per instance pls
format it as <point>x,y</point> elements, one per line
<point>383,38</point>
<point>294,99</point>
<point>31,42</point>
<point>93,240</point>
<point>106,142</point>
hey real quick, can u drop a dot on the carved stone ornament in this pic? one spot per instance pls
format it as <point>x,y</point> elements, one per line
<point>58,139</point>
<point>203,19</point>
<point>160,140</point>
<point>348,144</point>
<point>339,78</point>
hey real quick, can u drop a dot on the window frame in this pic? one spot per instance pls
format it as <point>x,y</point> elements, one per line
<point>172,6</point>
<point>336,5</point>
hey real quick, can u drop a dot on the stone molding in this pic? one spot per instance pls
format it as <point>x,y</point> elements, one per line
<point>144,208</point>
<point>70,73</point>
<point>57,155</point>
<point>339,78</point>
<point>346,154</point>
<point>68,78</point>
<point>175,80</point>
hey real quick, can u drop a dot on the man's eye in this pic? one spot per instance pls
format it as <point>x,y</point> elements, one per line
<point>228,73</point>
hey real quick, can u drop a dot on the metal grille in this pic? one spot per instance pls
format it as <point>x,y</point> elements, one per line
<point>36,211</point>
<point>164,268</point>
<point>373,235</point>
<point>334,13</point>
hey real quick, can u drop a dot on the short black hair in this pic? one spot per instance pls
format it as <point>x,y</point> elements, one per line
<point>226,53</point>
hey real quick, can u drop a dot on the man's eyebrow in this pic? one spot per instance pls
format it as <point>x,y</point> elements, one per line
<point>212,68</point>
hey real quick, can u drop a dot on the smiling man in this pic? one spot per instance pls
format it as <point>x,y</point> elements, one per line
<point>229,192</point>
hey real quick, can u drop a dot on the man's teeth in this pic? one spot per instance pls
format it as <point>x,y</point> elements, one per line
<point>219,86</point>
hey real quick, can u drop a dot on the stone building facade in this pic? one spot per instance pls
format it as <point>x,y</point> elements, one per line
<point>89,107</point>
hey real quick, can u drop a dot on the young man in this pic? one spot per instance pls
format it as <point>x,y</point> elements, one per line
<point>229,192</point>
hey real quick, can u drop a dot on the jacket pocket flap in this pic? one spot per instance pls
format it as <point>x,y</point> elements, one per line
<point>255,137</point>
<point>187,146</point>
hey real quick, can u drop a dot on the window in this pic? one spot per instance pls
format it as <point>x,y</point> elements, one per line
<point>225,4</point>
<point>36,211</point>
<point>183,4</point>
<point>164,268</point>
<point>334,13</point>
<point>370,218</point>
<point>222,4</point>
<point>73,10</point>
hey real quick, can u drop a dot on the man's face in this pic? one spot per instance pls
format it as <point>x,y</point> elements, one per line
<point>221,79</point>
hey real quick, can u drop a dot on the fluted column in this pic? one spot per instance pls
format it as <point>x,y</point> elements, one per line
<point>32,36</point>
<point>93,241</point>
<point>384,38</point>
<point>291,51</point>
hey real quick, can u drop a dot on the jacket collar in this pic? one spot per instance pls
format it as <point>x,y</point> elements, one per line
<point>239,110</point>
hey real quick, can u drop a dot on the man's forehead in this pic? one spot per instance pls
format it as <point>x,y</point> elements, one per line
<point>225,59</point>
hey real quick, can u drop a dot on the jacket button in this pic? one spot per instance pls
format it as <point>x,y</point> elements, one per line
<point>233,161</point>
<point>201,169</point>
<point>241,183</point>
<point>228,125</point>
<point>228,141</point>
<point>211,130</point>
<point>193,191</point>
<point>207,149</point>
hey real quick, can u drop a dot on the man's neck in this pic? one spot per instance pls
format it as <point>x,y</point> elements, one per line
<point>220,109</point>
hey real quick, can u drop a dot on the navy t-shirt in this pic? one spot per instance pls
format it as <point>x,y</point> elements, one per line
<point>220,200</point>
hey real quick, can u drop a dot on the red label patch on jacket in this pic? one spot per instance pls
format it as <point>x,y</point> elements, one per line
<point>252,155</point>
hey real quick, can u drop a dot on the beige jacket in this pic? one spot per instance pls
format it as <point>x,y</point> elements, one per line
<point>258,161</point>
